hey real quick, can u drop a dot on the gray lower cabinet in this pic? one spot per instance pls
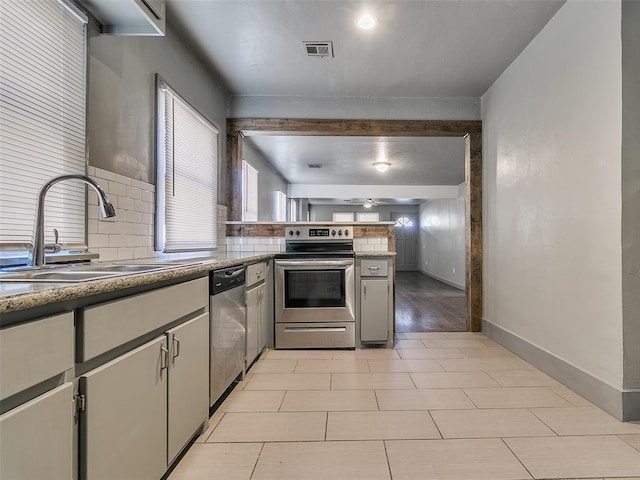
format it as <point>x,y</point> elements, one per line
<point>188,392</point>
<point>36,438</point>
<point>123,429</point>
<point>142,408</point>
<point>259,313</point>
<point>253,299</point>
<point>375,300</point>
<point>374,306</point>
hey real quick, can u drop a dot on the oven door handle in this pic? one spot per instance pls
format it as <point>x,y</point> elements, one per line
<point>306,264</point>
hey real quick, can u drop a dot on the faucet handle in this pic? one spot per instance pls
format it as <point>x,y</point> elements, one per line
<point>54,247</point>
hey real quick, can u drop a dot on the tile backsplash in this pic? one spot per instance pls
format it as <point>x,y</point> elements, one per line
<point>130,234</point>
<point>375,244</point>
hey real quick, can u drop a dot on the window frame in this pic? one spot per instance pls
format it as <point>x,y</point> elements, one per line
<point>160,209</point>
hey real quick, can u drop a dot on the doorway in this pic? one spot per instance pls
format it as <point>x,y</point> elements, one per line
<point>469,130</point>
<point>406,226</point>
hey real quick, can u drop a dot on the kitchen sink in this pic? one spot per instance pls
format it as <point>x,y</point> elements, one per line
<point>122,268</point>
<point>54,276</point>
<point>76,273</point>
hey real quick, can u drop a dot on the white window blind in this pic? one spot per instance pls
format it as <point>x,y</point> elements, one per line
<point>280,206</point>
<point>42,119</point>
<point>187,186</point>
<point>368,217</point>
<point>249,193</point>
<point>343,216</point>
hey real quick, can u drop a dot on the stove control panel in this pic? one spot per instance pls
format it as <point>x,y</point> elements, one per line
<point>319,232</point>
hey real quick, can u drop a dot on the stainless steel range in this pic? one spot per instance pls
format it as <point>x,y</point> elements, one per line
<point>315,289</point>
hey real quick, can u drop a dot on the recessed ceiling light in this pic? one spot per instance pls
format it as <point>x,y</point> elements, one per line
<point>381,166</point>
<point>366,22</point>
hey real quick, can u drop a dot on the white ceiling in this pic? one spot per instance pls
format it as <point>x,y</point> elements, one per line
<point>421,48</point>
<point>348,160</point>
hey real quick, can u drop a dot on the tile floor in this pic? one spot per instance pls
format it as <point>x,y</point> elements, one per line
<point>440,406</point>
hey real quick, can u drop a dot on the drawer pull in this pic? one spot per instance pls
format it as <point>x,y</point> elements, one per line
<point>176,347</point>
<point>164,358</point>
<point>314,329</point>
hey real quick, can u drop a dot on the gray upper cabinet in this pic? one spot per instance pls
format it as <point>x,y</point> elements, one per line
<point>129,17</point>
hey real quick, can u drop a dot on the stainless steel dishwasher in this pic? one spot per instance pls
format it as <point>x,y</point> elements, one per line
<point>228,329</point>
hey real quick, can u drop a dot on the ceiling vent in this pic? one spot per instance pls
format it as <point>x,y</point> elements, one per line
<point>318,49</point>
<point>315,165</point>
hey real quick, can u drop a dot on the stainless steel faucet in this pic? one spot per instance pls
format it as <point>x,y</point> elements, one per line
<point>36,257</point>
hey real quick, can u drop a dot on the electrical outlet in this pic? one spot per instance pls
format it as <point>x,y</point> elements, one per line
<point>454,270</point>
<point>426,262</point>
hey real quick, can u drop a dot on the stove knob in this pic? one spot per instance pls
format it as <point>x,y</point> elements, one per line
<point>346,232</point>
<point>297,233</point>
<point>291,232</point>
<point>333,233</point>
<point>339,233</point>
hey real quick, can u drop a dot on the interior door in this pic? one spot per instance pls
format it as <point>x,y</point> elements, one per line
<point>406,240</point>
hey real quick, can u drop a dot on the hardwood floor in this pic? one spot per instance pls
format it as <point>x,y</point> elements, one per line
<point>424,304</point>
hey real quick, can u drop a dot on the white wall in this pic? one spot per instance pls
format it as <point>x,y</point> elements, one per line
<point>442,240</point>
<point>552,191</point>
<point>269,181</point>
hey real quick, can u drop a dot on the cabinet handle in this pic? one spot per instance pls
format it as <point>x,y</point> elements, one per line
<point>176,347</point>
<point>365,289</point>
<point>164,359</point>
<point>373,268</point>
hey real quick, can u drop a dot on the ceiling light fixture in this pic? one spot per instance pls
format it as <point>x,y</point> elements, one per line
<point>366,22</point>
<point>381,166</point>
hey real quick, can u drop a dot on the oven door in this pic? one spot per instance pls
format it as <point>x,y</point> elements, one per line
<point>314,290</point>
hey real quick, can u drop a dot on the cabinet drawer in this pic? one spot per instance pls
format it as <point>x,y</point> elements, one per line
<point>35,351</point>
<point>115,323</point>
<point>374,268</point>
<point>256,273</point>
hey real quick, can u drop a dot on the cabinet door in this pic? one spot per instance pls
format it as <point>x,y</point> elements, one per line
<point>374,303</point>
<point>264,318</point>
<point>123,430</point>
<point>36,439</point>
<point>188,382</point>
<point>253,323</point>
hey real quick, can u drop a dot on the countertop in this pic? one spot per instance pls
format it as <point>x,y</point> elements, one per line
<point>15,296</point>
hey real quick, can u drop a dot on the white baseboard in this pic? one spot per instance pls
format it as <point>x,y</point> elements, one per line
<point>440,279</point>
<point>622,404</point>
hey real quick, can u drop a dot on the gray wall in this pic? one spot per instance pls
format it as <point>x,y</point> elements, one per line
<point>442,239</point>
<point>324,213</point>
<point>269,181</point>
<point>121,99</point>
<point>630,191</point>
